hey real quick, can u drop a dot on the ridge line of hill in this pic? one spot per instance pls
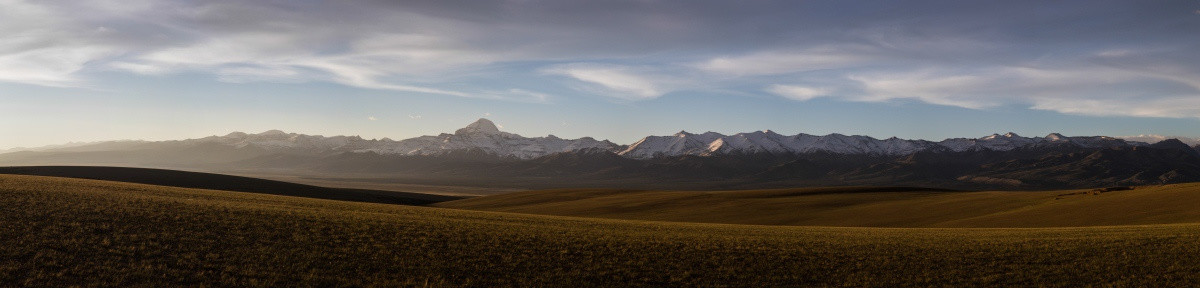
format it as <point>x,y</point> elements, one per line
<point>213,181</point>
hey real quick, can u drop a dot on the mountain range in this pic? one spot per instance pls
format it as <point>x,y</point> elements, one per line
<point>480,151</point>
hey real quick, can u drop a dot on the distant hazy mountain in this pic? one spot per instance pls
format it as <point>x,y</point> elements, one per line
<point>711,143</point>
<point>483,135</point>
<point>1151,138</point>
<point>482,154</point>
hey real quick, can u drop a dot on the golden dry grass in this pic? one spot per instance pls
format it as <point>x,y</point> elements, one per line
<point>862,206</point>
<point>67,232</point>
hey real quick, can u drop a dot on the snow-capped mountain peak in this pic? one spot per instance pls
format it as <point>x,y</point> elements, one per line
<point>272,133</point>
<point>481,126</point>
<point>1154,138</point>
<point>1055,137</point>
<point>481,135</point>
<point>767,141</point>
<point>485,136</point>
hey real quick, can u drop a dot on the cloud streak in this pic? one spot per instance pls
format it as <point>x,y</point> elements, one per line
<point>616,81</point>
<point>784,62</point>
<point>1116,58</point>
<point>1082,90</point>
<point>800,93</point>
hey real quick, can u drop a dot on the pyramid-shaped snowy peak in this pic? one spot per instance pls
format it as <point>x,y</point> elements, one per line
<point>481,126</point>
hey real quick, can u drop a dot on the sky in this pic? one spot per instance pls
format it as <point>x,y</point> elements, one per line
<point>75,71</point>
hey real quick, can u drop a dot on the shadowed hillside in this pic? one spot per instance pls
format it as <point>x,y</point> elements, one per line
<point>199,180</point>
<point>863,206</point>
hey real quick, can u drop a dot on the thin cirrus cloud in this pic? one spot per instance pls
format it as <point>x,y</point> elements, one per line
<point>612,80</point>
<point>1115,58</point>
<point>234,42</point>
<point>283,56</point>
<point>1085,89</point>
<point>784,62</point>
<point>41,48</point>
<point>1148,82</point>
<point>795,92</point>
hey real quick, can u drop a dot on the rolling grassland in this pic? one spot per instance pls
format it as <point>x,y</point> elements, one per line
<point>75,232</point>
<point>864,206</point>
<point>200,180</point>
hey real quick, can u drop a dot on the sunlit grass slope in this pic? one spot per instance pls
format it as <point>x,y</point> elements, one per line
<point>62,232</point>
<point>863,206</point>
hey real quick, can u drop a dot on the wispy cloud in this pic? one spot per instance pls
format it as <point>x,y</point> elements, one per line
<point>801,93</point>
<point>531,96</point>
<point>1182,107</point>
<point>284,56</point>
<point>962,90</point>
<point>613,80</point>
<point>782,62</point>
<point>1139,60</point>
<point>43,47</point>
<point>235,41</point>
<point>1081,89</point>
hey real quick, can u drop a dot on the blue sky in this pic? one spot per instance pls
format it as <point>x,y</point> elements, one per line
<point>618,70</point>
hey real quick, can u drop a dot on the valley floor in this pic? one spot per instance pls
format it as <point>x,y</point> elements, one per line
<point>67,232</point>
<point>864,206</point>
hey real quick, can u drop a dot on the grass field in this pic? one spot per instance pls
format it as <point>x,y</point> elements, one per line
<point>186,179</point>
<point>863,206</point>
<point>65,232</point>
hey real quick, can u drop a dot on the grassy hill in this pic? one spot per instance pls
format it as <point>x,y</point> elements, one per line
<point>68,232</point>
<point>863,206</point>
<point>175,178</point>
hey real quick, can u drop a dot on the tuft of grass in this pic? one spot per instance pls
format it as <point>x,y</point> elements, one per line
<point>71,232</point>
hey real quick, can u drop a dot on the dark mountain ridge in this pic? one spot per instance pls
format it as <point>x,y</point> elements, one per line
<point>482,155</point>
<point>1044,167</point>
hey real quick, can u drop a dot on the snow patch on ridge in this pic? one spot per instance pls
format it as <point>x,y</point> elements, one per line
<point>483,134</point>
<point>684,143</point>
